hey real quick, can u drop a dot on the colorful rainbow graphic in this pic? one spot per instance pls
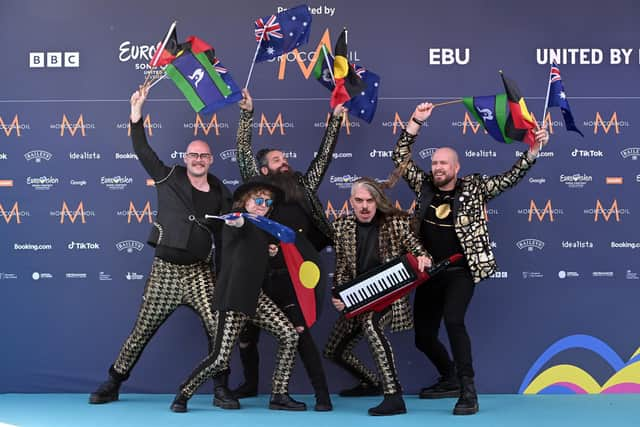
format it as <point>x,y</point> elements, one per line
<point>570,379</point>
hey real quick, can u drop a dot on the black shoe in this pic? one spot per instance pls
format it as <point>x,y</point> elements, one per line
<point>362,389</point>
<point>323,405</point>
<point>223,398</point>
<point>107,392</point>
<point>467,404</point>
<point>284,402</point>
<point>393,404</point>
<point>245,390</point>
<point>179,403</point>
<point>445,387</point>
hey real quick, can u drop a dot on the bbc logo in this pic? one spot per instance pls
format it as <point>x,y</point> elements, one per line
<point>54,59</point>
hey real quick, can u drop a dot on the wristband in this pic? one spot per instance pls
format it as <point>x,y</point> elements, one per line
<point>420,122</point>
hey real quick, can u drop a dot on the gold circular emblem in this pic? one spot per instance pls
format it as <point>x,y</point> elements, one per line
<point>443,210</point>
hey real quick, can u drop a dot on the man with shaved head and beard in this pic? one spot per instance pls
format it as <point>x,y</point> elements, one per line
<point>450,217</point>
<point>181,273</point>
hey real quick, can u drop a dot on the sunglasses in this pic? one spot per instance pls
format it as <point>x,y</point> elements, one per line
<point>262,201</point>
<point>201,156</point>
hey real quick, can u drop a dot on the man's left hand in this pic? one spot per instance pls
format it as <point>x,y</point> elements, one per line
<point>423,262</point>
<point>542,138</point>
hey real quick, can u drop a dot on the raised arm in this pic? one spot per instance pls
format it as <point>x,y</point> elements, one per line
<point>149,159</point>
<point>495,185</point>
<point>413,175</point>
<point>320,163</point>
<point>246,159</point>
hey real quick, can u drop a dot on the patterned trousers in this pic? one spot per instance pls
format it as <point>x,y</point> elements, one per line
<point>169,286</point>
<point>268,317</point>
<point>346,333</point>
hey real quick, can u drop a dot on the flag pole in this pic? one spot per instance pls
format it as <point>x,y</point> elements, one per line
<point>326,58</point>
<point>440,104</point>
<point>546,99</point>
<point>255,55</point>
<point>154,63</point>
<point>155,82</point>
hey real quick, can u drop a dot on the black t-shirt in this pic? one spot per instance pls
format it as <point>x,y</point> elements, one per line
<point>437,228</point>
<point>200,240</point>
<point>367,246</point>
<point>293,216</point>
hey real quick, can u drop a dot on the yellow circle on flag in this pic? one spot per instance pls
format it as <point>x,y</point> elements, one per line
<point>309,274</point>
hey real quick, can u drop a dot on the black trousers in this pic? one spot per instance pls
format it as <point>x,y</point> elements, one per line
<point>446,296</point>
<point>280,290</point>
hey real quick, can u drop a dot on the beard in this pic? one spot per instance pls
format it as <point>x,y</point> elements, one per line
<point>442,181</point>
<point>288,183</point>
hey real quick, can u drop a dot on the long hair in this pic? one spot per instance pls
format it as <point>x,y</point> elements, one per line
<point>383,204</point>
<point>242,200</point>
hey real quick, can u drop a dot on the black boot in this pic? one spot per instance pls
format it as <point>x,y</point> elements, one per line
<point>179,403</point>
<point>250,365</point>
<point>109,390</point>
<point>393,404</point>
<point>362,389</point>
<point>222,396</point>
<point>467,404</point>
<point>284,402</point>
<point>447,386</point>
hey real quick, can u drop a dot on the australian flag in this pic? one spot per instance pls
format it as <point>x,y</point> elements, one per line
<point>363,105</point>
<point>281,33</point>
<point>558,98</point>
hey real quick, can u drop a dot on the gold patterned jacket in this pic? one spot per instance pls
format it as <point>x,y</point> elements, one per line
<point>395,238</point>
<point>472,193</point>
<point>310,181</point>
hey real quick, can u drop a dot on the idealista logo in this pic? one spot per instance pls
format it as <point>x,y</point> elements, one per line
<point>205,127</point>
<point>631,152</point>
<point>72,216</point>
<point>116,182</point>
<point>546,212</point>
<point>139,215</point>
<point>576,180</point>
<point>72,128</point>
<point>43,182</point>
<point>129,246</point>
<point>606,125</point>
<point>480,154</point>
<point>146,123</point>
<point>83,246</point>
<point>54,59</point>
<point>600,211</point>
<point>577,244</point>
<point>84,155</point>
<point>37,156</point>
<point>271,127</point>
<point>311,55</point>
<point>14,127</point>
<point>530,244</point>
<point>13,214</point>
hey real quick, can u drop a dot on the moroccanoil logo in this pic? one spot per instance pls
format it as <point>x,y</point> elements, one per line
<point>606,125</point>
<point>547,123</point>
<point>332,213</point>
<point>9,127</point>
<point>300,57</point>
<point>66,125</point>
<point>541,213</point>
<point>12,214</point>
<point>271,127</point>
<point>65,212</point>
<point>397,124</point>
<point>139,215</point>
<point>206,127</point>
<point>600,211</point>
<point>146,123</point>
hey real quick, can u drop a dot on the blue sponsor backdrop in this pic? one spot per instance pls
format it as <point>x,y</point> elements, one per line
<point>71,280</point>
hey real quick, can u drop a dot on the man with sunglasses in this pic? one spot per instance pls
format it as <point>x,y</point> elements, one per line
<point>302,211</point>
<point>181,273</point>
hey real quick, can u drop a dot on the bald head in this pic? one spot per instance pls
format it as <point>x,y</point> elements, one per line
<point>445,167</point>
<point>198,158</point>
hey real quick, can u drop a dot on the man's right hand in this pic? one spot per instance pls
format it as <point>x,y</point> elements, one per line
<point>422,113</point>
<point>137,100</point>
<point>338,304</point>
<point>246,103</point>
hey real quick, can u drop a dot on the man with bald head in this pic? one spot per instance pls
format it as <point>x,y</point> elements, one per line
<point>182,271</point>
<point>450,214</point>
